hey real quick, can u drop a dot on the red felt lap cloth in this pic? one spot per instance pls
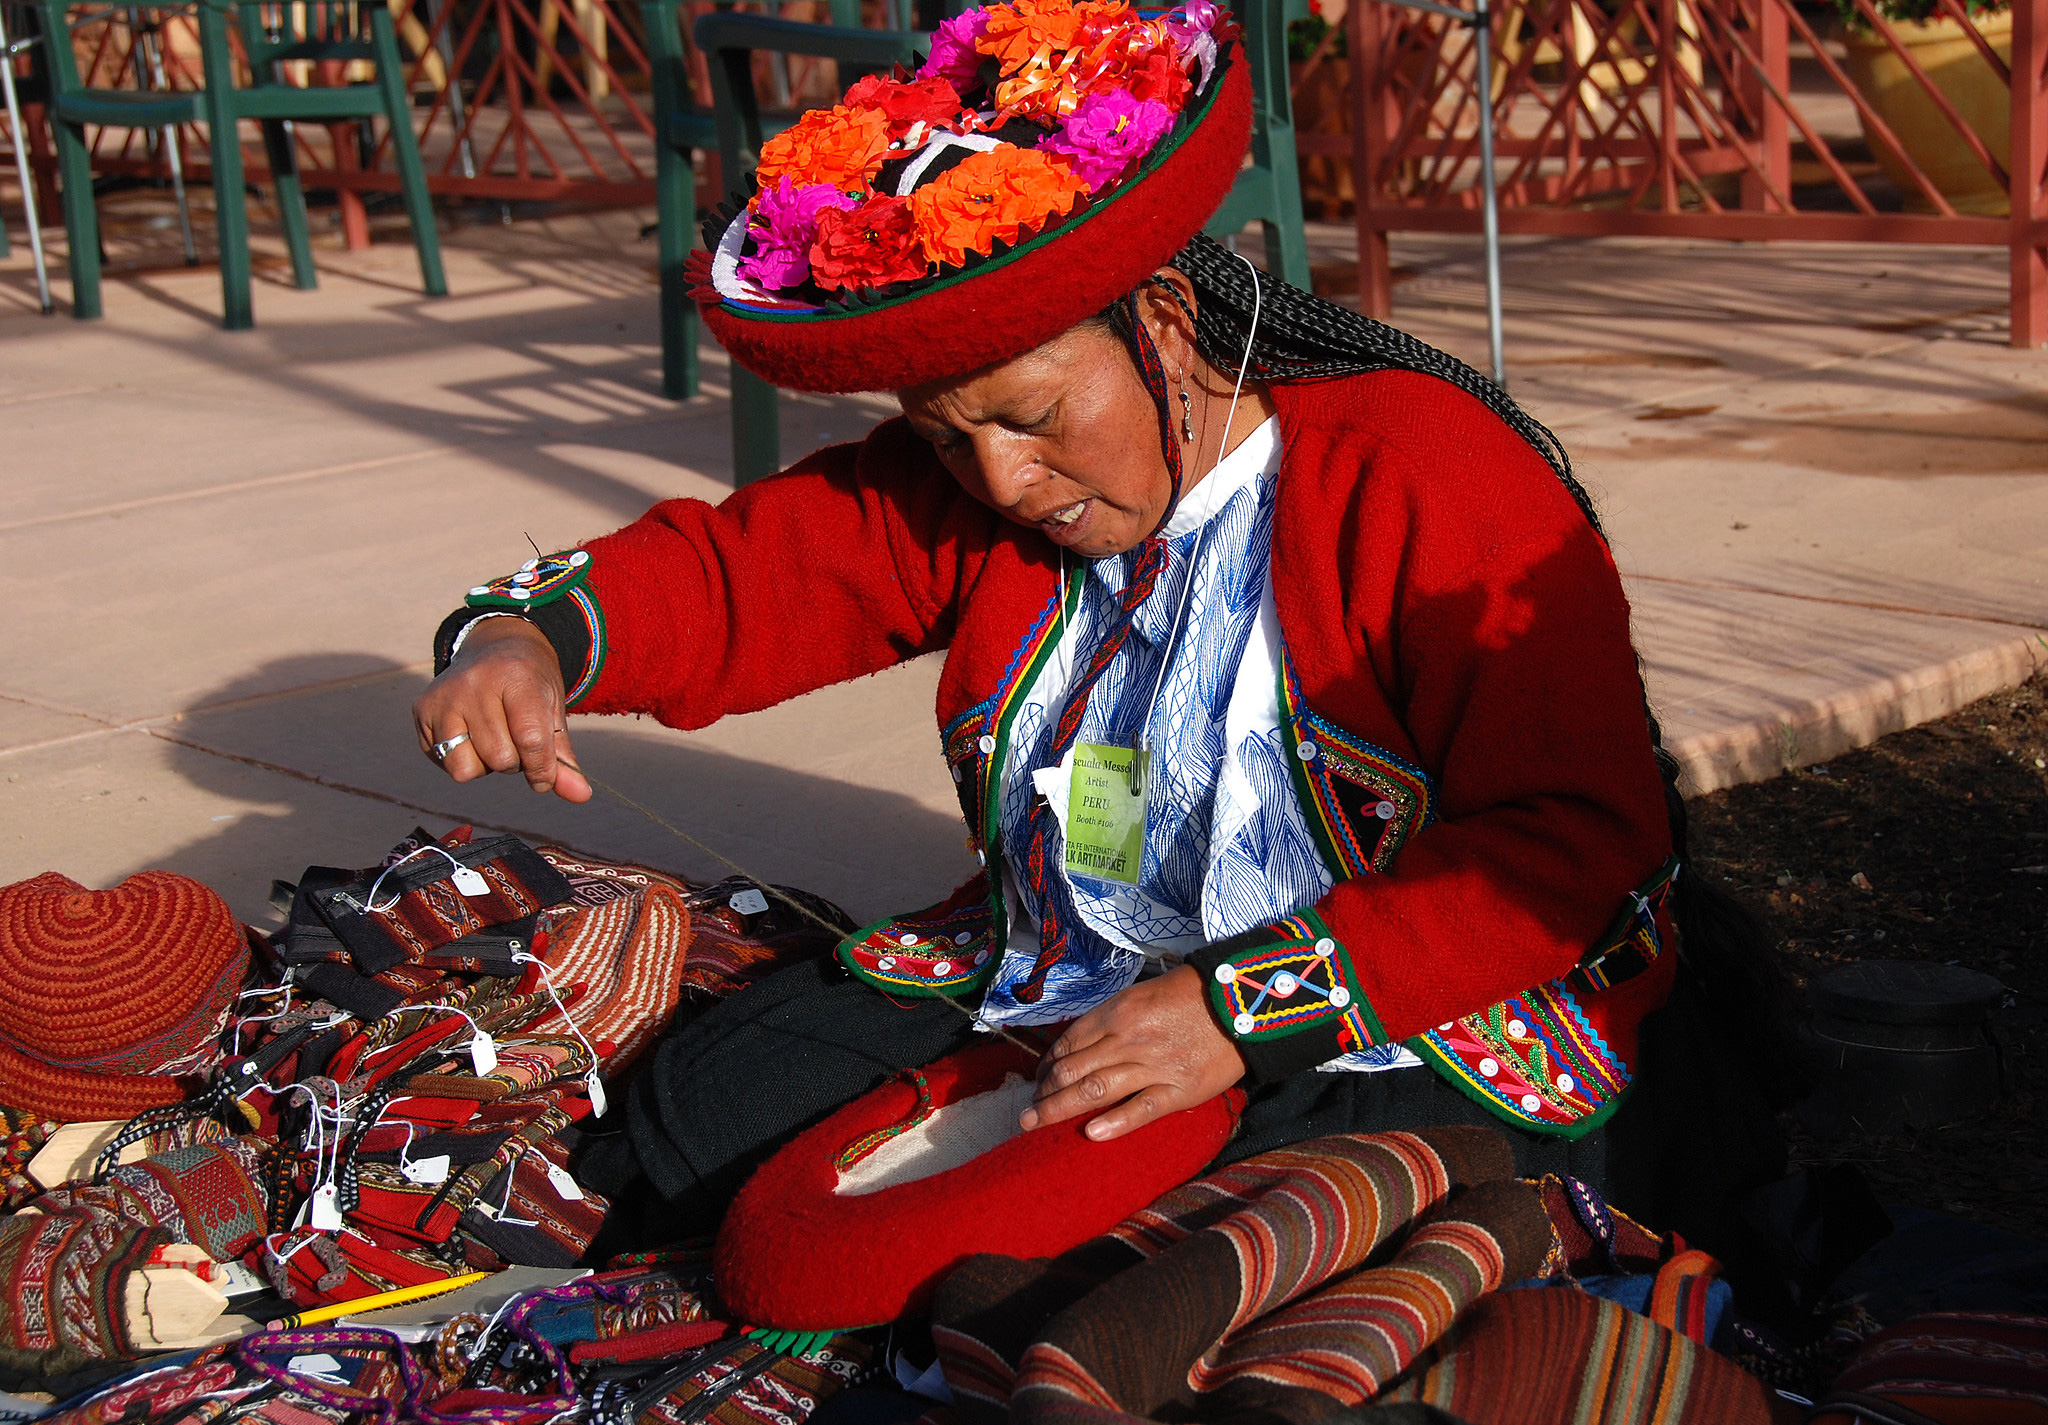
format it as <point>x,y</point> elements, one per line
<point>1286,1288</point>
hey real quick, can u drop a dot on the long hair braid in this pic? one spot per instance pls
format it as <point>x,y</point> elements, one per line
<point>1304,338</point>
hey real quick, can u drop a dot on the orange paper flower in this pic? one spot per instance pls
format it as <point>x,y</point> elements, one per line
<point>1018,32</point>
<point>991,197</point>
<point>843,147</point>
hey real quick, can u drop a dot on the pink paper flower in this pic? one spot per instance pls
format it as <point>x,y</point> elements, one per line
<point>784,224</point>
<point>1107,134</point>
<point>954,57</point>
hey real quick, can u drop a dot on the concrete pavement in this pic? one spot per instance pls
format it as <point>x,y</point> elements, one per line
<point>222,554</point>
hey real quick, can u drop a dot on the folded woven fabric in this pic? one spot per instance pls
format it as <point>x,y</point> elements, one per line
<point>429,901</point>
<point>533,1214</point>
<point>212,1195</point>
<point>1560,1357</point>
<point>63,1278</point>
<point>22,1136</point>
<point>1238,1293</point>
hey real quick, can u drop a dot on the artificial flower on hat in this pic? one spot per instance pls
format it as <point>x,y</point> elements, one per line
<point>1029,117</point>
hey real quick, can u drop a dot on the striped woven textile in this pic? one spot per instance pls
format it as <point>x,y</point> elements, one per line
<point>624,961</point>
<point>1241,1293</point>
<point>1557,1356</point>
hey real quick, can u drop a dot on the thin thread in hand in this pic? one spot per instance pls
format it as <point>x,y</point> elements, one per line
<point>791,901</point>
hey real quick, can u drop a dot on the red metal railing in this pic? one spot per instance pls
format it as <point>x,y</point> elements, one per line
<point>1706,119</point>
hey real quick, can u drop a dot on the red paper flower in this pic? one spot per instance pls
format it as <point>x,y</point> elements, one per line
<point>905,103</point>
<point>869,246</point>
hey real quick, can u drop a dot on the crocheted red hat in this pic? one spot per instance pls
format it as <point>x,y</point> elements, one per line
<point>106,995</point>
<point>860,1219</point>
<point>1043,162</point>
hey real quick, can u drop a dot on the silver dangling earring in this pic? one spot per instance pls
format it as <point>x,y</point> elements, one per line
<point>1187,413</point>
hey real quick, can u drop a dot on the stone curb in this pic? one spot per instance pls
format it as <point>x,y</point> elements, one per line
<point>1816,731</point>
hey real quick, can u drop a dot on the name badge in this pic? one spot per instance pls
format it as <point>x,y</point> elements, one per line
<point>1105,818</point>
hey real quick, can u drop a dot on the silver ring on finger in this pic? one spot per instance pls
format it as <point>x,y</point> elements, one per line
<point>448,744</point>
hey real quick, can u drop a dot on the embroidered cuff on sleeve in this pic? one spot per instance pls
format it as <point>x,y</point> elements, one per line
<point>550,593</point>
<point>1286,996</point>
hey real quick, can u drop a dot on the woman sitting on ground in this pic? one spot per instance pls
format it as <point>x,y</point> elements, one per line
<point>1288,684</point>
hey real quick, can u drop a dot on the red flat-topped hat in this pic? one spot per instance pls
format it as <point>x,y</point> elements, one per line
<point>859,1220</point>
<point>107,996</point>
<point>1047,158</point>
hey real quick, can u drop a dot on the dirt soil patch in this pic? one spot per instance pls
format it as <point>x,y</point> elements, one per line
<point>1930,845</point>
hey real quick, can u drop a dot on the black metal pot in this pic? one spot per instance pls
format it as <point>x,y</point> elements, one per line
<point>1902,1043</point>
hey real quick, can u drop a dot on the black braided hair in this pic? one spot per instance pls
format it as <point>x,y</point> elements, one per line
<point>1301,337</point>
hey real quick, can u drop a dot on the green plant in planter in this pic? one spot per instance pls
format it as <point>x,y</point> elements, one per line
<point>1912,11</point>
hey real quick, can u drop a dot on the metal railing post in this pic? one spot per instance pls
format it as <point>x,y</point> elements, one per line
<point>1482,34</point>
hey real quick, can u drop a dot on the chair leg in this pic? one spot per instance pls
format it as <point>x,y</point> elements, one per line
<point>756,428</point>
<point>1286,235</point>
<point>676,214</point>
<point>405,150</point>
<point>81,219</point>
<point>291,202</point>
<point>231,219</point>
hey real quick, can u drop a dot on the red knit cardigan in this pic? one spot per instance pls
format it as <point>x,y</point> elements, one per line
<point>1457,644</point>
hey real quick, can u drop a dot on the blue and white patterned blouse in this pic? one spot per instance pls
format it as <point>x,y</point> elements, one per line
<point>1226,846</point>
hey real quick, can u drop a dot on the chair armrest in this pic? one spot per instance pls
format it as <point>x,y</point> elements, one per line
<point>867,49</point>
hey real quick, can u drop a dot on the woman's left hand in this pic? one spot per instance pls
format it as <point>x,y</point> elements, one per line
<point>1150,1051</point>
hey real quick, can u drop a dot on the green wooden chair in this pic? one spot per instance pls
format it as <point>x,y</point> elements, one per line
<point>271,33</point>
<point>1269,191</point>
<point>729,41</point>
<point>737,124</point>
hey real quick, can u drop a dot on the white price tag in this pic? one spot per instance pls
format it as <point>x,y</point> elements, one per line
<point>749,902</point>
<point>317,1366</point>
<point>564,1185</point>
<point>427,1172</point>
<point>471,882</point>
<point>597,1100</point>
<point>483,1054</point>
<point>326,1215</point>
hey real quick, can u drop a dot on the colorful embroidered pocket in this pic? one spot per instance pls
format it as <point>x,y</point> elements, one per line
<point>1362,802</point>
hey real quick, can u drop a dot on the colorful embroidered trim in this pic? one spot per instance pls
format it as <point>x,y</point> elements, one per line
<point>534,583</point>
<point>944,949</point>
<point>862,1146</point>
<point>593,619</point>
<point>1634,941</point>
<point>955,946</point>
<point>1363,802</point>
<point>1297,978</point>
<point>1533,1059</point>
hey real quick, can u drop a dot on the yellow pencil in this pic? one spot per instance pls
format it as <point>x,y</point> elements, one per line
<point>374,1303</point>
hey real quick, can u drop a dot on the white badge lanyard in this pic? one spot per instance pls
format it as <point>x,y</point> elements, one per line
<point>1106,822</point>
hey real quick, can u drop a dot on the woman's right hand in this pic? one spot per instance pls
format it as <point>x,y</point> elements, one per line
<point>504,691</point>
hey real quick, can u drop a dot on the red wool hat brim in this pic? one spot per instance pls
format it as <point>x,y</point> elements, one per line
<point>1014,303</point>
<point>794,1255</point>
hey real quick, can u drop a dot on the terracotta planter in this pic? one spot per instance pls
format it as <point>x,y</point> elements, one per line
<point>1952,61</point>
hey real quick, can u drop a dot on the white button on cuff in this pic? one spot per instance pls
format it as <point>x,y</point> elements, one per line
<point>1242,1024</point>
<point>1384,811</point>
<point>1530,1103</point>
<point>906,940</point>
<point>1565,1083</point>
<point>942,969</point>
<point>1326,947</point>
<point>1284,985</point>
<point>887,962</point>
<point>480,589</point>
<point>962,938</point>
<point>1489,1067</point>
<point>987,744</point>
<point>1225,974</point>
<point>580,558</point>
<point>1306,752</point>
<point>1339,997</point>
<point>1517,1029</point>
